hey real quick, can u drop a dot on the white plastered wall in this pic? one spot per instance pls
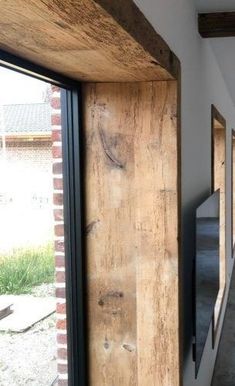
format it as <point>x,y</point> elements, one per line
<point>202,85</point>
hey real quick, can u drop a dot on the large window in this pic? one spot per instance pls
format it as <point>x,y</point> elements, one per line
<point>39,194</point>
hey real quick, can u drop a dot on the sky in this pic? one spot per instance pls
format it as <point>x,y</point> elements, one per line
<point>19,88</point>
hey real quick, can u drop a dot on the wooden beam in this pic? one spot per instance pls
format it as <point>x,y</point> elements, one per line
<point>87,40</point>
<point>216,25</point>
<point>131,185</point>
<point>217,119</point>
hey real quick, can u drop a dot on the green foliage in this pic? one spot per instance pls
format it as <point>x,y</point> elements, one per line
<point>26,268</point>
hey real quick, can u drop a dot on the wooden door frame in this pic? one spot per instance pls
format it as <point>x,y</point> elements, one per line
<point>217,116</point>
<point>157,55</point>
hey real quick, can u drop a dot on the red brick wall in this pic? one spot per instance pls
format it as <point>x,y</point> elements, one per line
<point>59,237</point>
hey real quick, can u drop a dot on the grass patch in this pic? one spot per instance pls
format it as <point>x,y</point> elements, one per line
<point>26,268</point>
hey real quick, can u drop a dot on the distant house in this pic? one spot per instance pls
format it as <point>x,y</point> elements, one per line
<point>27,122</point>
<point>25,153</point>
<point>25,167</point>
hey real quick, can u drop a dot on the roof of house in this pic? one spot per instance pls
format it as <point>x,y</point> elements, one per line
<point>27,118</point>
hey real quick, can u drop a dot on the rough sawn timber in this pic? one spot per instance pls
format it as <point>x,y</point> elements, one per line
<point>216,24</point>
<point>93,40</point>
<point>131,172</point>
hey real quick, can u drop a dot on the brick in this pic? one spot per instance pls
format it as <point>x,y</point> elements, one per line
<point>59,230</point>
<point>60,277</point>
<point>59,246</point>
<point>58,198</point>
<point>56,151</point>
<point>62,369</point>
<point>60,293</point>
<point>56,119</point>
<point>61,325</point>
<point>62,382</point>
<point>58,214</point>
<point>56,135</point>
<point>61,338</point>
<point>57,168</point>
<point>55,102</point>
<point>59,261</point>
<point>58,183</point>
<point>55,88</point>
<point>62,353</point>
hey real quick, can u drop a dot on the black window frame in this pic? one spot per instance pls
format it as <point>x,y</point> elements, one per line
<point>71,108</point>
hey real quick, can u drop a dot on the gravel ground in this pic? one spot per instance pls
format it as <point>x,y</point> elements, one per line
<point>29,358</point>
<point>44,290</point>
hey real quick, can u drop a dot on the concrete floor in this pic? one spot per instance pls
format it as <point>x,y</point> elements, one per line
<point>207,282</point>
<point>224,374</point>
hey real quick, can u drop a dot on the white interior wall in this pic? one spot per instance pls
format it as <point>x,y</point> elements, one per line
<point>202,85</point>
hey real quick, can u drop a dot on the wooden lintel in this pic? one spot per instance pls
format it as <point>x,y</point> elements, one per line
<point>216,25</point>
<point>218,120</point>
<point>87,40</point>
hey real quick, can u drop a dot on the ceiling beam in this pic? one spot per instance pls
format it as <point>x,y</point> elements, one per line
<point>216,25</point>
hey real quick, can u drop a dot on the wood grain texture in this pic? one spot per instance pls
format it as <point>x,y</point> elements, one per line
<point>219,170</point>
<point>216,25</point>
<point>92,40</point>
<point>131,190</point>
